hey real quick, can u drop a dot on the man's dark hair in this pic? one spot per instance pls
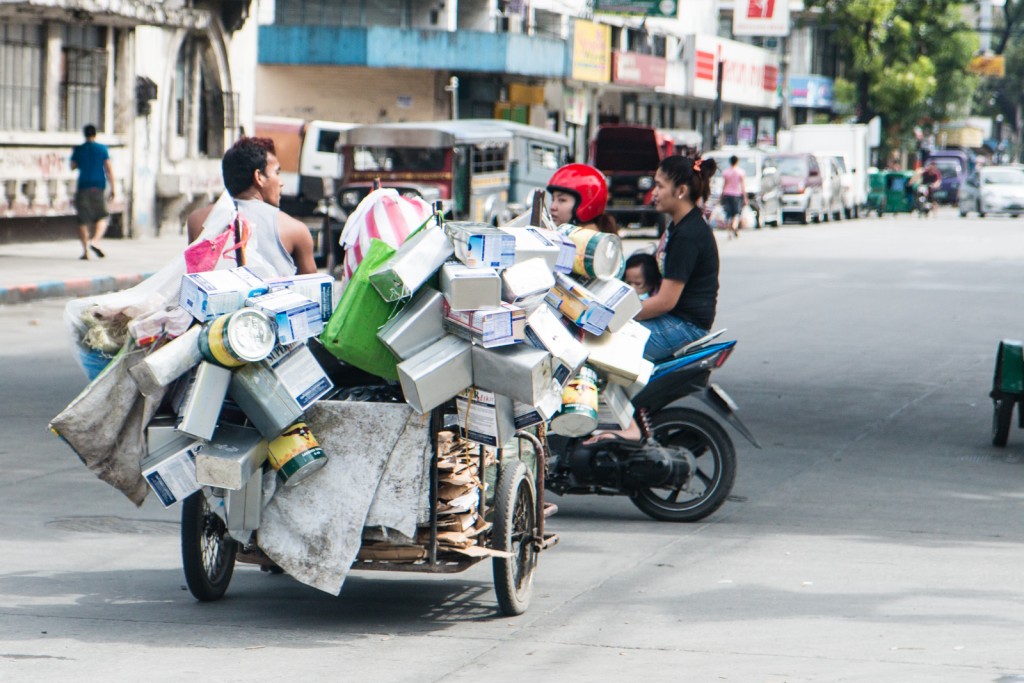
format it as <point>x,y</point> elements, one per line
<point>245,157</point>
<point>89,130</point>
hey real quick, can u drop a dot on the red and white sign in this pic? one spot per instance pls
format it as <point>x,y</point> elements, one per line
<point>630,68</point>
<point>760,18</point>
<point>749,74</point>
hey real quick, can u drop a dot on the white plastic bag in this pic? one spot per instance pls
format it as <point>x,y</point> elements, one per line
<point>717,218</point>
<point>747,218</point>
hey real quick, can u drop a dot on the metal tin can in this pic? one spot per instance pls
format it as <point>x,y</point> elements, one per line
<point>296,454</point>
<point>598,254</point>
<point>578,416</point>
<point>232,340</point>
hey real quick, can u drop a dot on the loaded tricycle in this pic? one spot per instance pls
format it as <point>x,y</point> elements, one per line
<point>1007,389</point>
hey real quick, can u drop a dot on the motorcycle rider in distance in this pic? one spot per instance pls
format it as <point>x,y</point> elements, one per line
<point>579,195</point>
<point>932,179</point>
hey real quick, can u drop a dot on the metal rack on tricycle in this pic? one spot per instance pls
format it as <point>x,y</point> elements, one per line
<point>510,512</point>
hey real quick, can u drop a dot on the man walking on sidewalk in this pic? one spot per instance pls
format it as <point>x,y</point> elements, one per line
<point>92,160</point>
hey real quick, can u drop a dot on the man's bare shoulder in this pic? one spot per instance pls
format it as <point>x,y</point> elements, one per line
<point>195,222</point>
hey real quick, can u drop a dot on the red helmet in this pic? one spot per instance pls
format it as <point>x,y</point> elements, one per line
<point>585,183</point>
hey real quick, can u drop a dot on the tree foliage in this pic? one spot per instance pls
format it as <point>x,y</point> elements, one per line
<point>903,60</point>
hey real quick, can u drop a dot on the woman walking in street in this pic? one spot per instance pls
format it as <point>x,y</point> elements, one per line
<point>734,195</point>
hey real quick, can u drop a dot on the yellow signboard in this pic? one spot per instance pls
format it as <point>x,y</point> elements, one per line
<point>592,52</point>
<point>988,65</point>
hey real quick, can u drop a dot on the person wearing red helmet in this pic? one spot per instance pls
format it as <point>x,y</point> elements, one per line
<point>579,196</point>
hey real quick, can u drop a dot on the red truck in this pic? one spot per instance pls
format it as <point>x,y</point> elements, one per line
<point>629,156</point>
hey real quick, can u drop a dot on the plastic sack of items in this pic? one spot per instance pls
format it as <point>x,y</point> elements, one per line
<point>748,219</point>
<point>383,215</point>
<point>717,218</point>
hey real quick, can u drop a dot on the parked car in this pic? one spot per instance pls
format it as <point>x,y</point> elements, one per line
<point>993,189</point>
<point>831,186</point>
<point>764,186</point>
<point>848,182</point>
<point>801,186</point>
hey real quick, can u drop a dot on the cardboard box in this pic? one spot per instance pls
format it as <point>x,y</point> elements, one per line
<point>230,460</point>
<point>531,243</point>
<point>499,327</point>
<point>437,373</point>
<point>275,392</point>
<point>412,265</point>
<point>297,317</point>
<point>319,287</point>
<point>485,417</point>
<point>216,292</point>
<point>619,297</point>
<point>204,396</point>
<point>619,355</point>
<point>527,281</point>
<point>634,388</point>
<point>479,245</point>
<point>566,248</point>
<point>171,470</point>
<point>545,331</point>
<point>415,327</point>
<point>520,372</point>
<point>470,289</point>
<point>579,305</point>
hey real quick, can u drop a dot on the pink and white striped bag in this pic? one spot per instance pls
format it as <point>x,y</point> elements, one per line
<point>385,215</point>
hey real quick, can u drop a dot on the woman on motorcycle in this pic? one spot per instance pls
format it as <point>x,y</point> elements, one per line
<point>579,196</point>
<point>683,308</point>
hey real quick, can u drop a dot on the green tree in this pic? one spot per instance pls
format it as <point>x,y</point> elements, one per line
<point>903,60</point>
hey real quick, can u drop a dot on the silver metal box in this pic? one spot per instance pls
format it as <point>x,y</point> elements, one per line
<point>520,372</point>
<point>230,460</point>
<point>417,326</point>
<point>437,373</point>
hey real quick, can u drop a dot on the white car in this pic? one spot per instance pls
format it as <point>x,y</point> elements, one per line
<point>831,186</point>
<point>993,189</point>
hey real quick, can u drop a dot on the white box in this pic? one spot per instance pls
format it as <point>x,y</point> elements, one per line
<point>200,408</point>
<point>296,316</point>
<point>579,305</point>
<point>618,296</point>
<point>216,292</point>
<point>527,281</point>
<point>545,331</point>
<point>489,421</point>
<point>498,327</point>
<point>620,355</point>
<point>531,243</point>
<point>479,245</point>
<point>171,470</point>
<point>470,289</point>
<point>566,248</point>
<point>614,410</point>
<point>245,508</point>
<point>316,286</point>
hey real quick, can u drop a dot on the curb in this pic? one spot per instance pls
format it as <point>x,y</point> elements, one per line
<point>77,287</point>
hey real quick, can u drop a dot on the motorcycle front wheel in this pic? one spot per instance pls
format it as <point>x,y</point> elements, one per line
<point>712,481</point>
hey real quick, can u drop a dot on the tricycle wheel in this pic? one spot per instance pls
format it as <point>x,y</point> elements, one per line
<point>1002,416</point>
<point>515,521</point>
<point>207,552</point>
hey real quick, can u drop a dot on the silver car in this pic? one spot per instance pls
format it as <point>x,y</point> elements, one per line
<point>993,189</point>
<point>764,190</point>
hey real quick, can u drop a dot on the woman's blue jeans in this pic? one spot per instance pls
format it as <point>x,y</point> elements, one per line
<point>668,334</point>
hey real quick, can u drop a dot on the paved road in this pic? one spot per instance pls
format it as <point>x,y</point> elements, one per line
<point>876,537</point>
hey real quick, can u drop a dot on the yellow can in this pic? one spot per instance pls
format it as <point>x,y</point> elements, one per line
<point>578,416</point>
<point>296,454</point>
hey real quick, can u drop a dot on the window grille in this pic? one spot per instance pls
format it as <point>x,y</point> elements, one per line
<point>21,76</point>
<point>490,159</point>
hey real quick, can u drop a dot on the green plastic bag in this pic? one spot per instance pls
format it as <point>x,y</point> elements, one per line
<point>351,333</point>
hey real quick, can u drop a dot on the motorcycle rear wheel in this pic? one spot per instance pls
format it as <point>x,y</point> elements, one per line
<point>715,474</point>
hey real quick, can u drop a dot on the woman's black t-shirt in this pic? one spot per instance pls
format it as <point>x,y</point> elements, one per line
<point>689,253</point>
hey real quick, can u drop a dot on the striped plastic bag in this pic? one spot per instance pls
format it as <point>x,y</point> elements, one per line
<point>383,215</point>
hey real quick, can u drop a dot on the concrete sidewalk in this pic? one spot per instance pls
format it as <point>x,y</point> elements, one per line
<point>42,270</point>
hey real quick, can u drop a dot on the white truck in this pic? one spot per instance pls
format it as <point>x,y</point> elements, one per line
<point>849,142</point>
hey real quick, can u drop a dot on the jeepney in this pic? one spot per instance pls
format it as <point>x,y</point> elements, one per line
<point>479,169</point>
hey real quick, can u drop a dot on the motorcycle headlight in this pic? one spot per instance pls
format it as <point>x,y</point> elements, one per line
<point>645,183</point>
<point>350,198</point>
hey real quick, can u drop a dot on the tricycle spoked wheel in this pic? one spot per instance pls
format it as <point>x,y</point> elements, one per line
<point>207,552</point>
<point>1002,416</point>
<point>712,480</point>
<point>515,521</point>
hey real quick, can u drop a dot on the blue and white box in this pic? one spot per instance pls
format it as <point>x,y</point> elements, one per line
<point>480,245</point>
<point>317,286</point>
<point>297,317</point>
<point>217,292</point>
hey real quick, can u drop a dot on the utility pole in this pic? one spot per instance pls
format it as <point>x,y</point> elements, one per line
<point>786,112</point>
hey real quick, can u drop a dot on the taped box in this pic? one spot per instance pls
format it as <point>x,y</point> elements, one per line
<point>619,297</point>
<point>437,373</point>
<point>470,289</point>
<point>485,417</point>
<point>275,392</point>
<point>619,355</point>
<point>296,316</point>
<point>499,327</point>
<point>579,305</point>
<point>526,282</point>
<point>520,372</point>
<point>415,327</point>
<point>412,265</point>
<point>171,470</point>
<point>216,292</point>
<point>545,331</point>
<point>230,460</point>
<point>316,286</point>
<point>479,245</point>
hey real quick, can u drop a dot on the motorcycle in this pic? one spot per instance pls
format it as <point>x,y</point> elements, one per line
<point>685,466</point>
<point>922,201</point>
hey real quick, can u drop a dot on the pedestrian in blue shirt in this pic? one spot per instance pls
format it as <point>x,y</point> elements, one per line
<point>92,160</point>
